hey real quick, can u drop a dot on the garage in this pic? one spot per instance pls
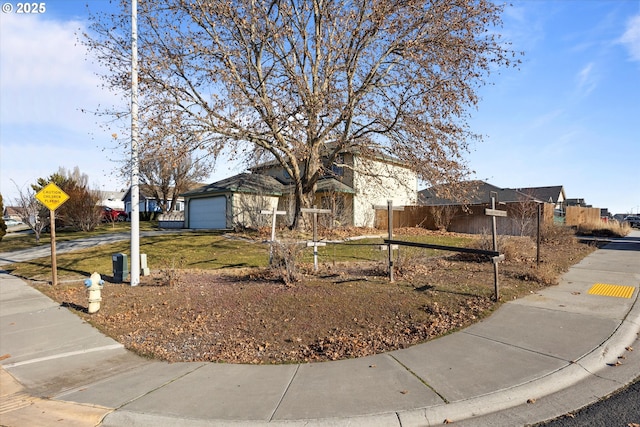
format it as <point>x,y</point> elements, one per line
<point>208,213</point>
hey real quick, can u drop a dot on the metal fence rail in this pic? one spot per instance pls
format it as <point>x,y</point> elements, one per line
<point>442,247</point>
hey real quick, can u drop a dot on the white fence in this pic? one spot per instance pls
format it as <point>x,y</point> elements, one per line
<point>171,220</point>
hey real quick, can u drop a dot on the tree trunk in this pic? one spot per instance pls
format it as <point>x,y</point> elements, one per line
<point>302,200</point>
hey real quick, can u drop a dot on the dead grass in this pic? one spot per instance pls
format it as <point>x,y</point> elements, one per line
<point>604,229</point>
<point>347,309</point>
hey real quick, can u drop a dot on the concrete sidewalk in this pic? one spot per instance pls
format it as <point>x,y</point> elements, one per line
<point>533,359</point>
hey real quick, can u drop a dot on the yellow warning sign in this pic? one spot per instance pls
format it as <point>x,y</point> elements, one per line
<point>52,196</point>
<point>611,290</point>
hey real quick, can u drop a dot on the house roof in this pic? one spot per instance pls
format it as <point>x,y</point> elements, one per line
<point>474,193</point>
<point>327,185</point>
<point>241,183</point>
<point>112,195</point>
<point>12,210</point>
<point>546,194</point>
<point>358,151</point>
<point>145,191</point>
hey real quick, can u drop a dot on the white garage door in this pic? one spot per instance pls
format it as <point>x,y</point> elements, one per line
<point>209,213</point>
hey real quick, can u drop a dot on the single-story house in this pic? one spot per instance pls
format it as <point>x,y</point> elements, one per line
<point>112,199</point>
<point>12,212</point>
<point>577,202</point>
<point>350,187</point>
<point>551,194</point>
<point>148,204</point>
<point>235,200</point>
<point>466,213</point>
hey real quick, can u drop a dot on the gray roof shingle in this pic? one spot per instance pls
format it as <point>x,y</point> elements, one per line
<point>241,183</point>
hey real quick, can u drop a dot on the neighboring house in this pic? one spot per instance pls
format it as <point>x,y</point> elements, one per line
<point>474,193</point>
<point>552,194</point>
<point>350,188</point>
<point>577,202</point>
<point>466,214</point>
<point>112,199</point>
<point>148,206</point>
<point>12,212</point>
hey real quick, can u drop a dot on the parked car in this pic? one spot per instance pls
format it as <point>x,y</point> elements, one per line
<point>632,220</point>
<point>10,222</point>
<point>113,215</point>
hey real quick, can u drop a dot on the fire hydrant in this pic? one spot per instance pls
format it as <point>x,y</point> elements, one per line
<point>94,285</point>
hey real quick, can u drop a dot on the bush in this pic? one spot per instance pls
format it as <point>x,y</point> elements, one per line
<point>557,234</point>
<point>170,273</point>
<point>514,248</point>
<point>285,261</point>
<point>3,226</point>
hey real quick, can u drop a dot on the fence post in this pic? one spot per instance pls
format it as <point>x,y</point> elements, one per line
<point>390,210</point>
<point>274,212</point>
<point>390,227</point>
<point>495,248</point>
<point>493,213</point>
<point>315,211</point>
<point>538,239</point>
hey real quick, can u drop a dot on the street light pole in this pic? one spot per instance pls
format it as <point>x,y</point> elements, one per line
<point>135,180</point>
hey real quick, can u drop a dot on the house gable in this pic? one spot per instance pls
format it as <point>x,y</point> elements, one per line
<point>473,193</point>
<point>551,194</point>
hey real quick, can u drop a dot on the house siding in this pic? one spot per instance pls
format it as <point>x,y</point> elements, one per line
<point>245,209</point>
<point>375,182</point>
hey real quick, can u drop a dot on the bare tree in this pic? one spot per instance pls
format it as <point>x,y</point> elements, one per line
<point>29,210</point>
<point>525,214</point>
<point>81,210</point>
<point>171,161</point>
<point>307,79</point>
<point>167,173</point>
<point>443,215</point>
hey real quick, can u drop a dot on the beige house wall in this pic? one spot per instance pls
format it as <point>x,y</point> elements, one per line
<point>245,209</point>
<point>375,182</point>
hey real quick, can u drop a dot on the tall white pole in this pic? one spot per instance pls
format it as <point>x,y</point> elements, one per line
<point>135,180</point>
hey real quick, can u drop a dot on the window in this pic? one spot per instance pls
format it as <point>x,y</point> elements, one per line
<point>336,167</point>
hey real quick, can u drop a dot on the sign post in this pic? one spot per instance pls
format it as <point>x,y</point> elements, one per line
<point>52,197</point>
<point>274,212</point>
<point>315,211</point>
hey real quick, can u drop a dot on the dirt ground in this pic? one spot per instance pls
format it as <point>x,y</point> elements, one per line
<point>343,311</point>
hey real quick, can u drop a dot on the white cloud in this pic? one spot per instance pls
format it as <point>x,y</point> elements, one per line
<point>45,82</point>
<point>586,79</point>
<point>45,77</point>
<point>545,120</point>
<point>631,38</point>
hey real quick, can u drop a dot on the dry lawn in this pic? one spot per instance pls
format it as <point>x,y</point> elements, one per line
<point>345,310</point>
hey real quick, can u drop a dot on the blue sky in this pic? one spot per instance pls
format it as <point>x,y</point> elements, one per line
<point>570,115</point>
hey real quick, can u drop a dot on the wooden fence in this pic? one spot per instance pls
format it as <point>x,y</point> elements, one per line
<point>521,218</point>
<point>576,215</point>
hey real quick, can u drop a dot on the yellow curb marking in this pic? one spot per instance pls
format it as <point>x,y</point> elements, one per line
<point>611,290</point>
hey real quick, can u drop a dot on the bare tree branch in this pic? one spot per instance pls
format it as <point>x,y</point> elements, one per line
<point>307,79</point>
